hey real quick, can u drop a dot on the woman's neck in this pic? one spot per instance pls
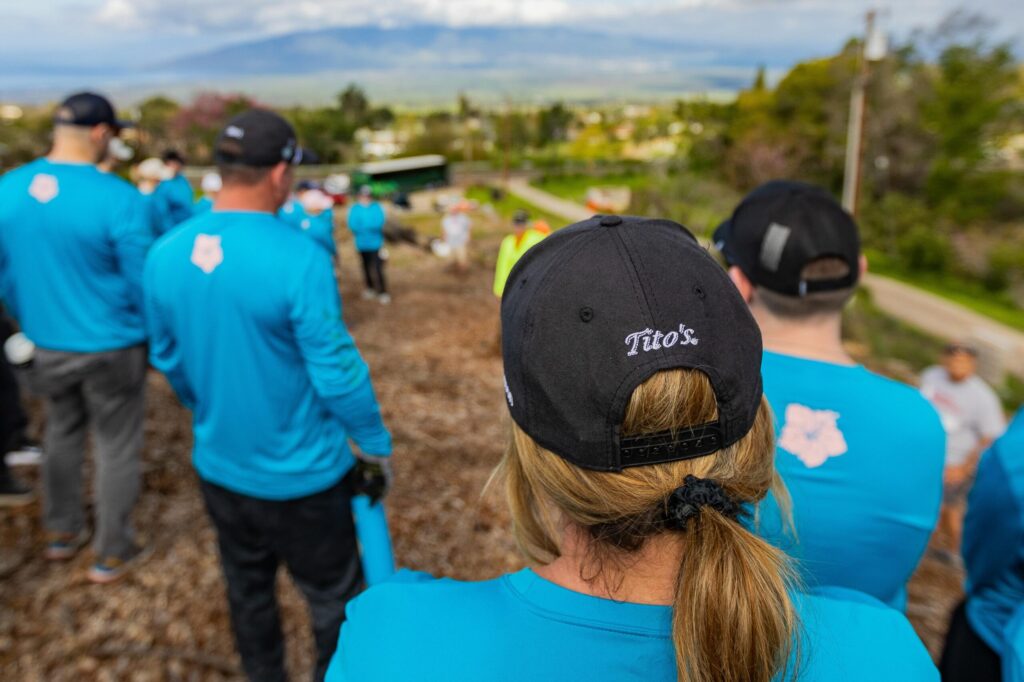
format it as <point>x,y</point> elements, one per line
<point>647,577</point>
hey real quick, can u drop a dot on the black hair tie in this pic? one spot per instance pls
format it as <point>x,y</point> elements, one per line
<point>694,494</point>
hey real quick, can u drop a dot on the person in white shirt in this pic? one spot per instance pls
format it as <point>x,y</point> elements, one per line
<point>455,226</point>
<point>972,417</point>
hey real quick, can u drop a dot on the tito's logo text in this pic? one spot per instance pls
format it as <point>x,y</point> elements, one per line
<point>650,339</point>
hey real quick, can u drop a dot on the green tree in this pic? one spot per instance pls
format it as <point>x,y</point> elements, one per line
<point>553,124</point>
<point>974,88</point>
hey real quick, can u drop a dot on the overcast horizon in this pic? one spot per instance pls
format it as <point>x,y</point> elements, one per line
<point>56,39</point>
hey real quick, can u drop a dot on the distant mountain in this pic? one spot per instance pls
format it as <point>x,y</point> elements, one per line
<point>421,65</point>
<point>427,47</point>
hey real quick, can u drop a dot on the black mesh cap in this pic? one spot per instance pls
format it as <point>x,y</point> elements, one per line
<point>780,228</point>
<point>258,138</point>
<point>594,310</point>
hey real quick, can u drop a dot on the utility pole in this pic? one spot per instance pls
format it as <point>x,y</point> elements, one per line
<point>873,50</point>
<point>506,142</point>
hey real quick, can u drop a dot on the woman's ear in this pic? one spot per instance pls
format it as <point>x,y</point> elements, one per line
<point>863,264</point>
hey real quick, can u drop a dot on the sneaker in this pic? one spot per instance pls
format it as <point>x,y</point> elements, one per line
<point>369,294</point>
<point>384,299</point>
<point>111,569</point>
<point>64,546</point>
<point>24,452</point>
<point>13,493</point>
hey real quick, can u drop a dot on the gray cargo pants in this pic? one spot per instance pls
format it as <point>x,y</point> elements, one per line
<point>104,390</point>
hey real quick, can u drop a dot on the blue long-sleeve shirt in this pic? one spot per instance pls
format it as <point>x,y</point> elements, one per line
<point>993,545</point>
<point>245,321</point>
<point>367,225</point>
<point>73,241</point>
<point>174,202</point>
<point>320,227</point>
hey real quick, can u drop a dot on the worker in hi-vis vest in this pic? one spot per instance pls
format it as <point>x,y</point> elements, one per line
<point>513,247</point>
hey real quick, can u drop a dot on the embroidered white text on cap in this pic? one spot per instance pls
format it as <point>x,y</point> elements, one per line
<point>235,132</point>
<point>652,339</point>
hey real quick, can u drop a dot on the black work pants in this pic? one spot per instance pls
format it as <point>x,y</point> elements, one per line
<point>966,657</point>
<point>373,271</point>
<point>314,537</point>
<point>13,420</point>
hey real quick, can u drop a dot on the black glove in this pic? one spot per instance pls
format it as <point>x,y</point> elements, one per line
<point>373,477</point>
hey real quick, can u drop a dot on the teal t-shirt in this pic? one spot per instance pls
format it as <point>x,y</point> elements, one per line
<point>993,545</point>
<point>523,627</point>
<point>245,322</point>
<point>862,457</point>
<point>174,202</point>
<point>1013,649</point>
<point>73,242</point>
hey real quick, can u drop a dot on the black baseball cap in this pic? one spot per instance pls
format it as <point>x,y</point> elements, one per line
<point>173,155</point>
<point>88,109</point>
<point>780,228</point>
<point>594,310</point>
<point>259,138</point>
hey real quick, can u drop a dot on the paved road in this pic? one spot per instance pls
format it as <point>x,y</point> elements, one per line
<point>930,313</point>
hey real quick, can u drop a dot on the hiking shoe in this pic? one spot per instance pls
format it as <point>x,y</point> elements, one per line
<point>369,294</point>
<point>384,299</point>
<point>13,493</point>
<point>64,546</point>
<point>111,569</point>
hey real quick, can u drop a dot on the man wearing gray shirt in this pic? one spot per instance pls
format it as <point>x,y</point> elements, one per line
<point>973,418</point>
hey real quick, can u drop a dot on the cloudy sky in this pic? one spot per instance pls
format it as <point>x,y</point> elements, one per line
<point>92,33</point>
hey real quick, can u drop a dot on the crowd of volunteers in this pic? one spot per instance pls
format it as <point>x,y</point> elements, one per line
<point>704,485</point>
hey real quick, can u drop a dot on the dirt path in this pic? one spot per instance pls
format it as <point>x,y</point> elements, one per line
<point>930,313</point>
<point>438,377</point>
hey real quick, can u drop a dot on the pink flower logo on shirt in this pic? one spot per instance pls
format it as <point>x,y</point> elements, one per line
<point>44,188</point>
<point>207,253</point>
<point>812,435</point>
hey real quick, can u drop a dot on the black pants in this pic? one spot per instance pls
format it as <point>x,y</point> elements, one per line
<point>373,271</point>
<point>13,420</point>
<point>966,657</point>
<point>315,538</point>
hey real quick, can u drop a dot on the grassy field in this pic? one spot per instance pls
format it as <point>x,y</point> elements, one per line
<point>507,205</point>
<point>698,203</point>
<point>574,187</point>
<point>972,295</point>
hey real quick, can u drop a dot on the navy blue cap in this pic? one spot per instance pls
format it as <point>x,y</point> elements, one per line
<point>597,308</point>
<point>88,109</point>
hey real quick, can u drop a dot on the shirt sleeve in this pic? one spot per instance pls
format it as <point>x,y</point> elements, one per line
<point>339,375</point>
<point>992,524</point>
<point>991,422</point>
<point>132,236</point>
<point>164,353</point>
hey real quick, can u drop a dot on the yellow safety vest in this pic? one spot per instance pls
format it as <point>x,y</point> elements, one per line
<point>512,249</point>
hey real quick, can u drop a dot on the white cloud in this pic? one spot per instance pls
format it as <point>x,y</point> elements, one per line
<point>120,13</point>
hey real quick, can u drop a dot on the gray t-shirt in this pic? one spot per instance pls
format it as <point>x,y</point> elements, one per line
<point>969,409</point>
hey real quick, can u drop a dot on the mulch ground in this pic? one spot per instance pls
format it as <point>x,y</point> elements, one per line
<point>437,374</point>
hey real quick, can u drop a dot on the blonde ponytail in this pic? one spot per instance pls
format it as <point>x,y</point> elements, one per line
<point>733,619</point>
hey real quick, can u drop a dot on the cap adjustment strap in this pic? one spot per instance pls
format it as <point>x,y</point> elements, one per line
<point>670,446</point>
